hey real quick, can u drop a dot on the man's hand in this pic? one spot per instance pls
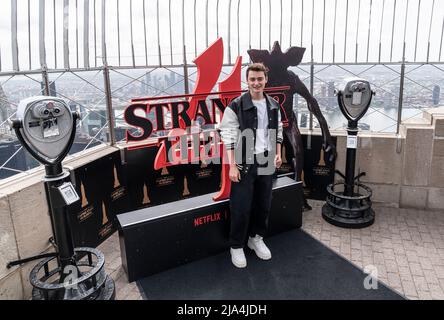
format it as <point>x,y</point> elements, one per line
<point>234,173</point>
<point>277,161</point>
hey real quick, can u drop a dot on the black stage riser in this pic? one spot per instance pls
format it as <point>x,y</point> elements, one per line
<point>159,238</point>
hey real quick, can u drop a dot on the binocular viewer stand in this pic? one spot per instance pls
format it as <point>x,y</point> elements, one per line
<point>349,207</point>
<point>46,128</point>
<point>71,273</point>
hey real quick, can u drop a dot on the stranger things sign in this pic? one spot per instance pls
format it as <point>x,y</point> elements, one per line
<point>182,128</point>
<point>143,175</point>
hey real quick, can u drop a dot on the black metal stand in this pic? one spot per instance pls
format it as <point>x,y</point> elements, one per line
<point>69,273</point>
<point>349,209</point>
<point>79,273</point>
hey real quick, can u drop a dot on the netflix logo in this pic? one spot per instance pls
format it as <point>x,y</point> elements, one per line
<point>208,219</point>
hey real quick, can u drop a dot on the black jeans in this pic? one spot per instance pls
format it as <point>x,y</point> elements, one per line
<point>250,203</point>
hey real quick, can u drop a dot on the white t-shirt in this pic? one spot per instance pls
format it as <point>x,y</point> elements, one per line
<point>262,142</point>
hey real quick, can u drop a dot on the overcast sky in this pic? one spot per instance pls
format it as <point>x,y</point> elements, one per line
<point>296,24</point>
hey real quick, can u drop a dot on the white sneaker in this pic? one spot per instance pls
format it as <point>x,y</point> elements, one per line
<point>258,245</point>
<point>238,257</point>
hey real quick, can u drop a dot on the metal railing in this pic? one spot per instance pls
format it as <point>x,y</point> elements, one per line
<point>98,54</point>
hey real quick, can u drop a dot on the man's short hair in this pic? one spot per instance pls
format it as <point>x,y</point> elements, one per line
<point>258,66</point>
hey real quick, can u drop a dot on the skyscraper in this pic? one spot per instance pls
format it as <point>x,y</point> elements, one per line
<point>436,95</point>
<point>147,84</point>
<point>331,94</point>
<point>52,88</point>
<point>4,106</point>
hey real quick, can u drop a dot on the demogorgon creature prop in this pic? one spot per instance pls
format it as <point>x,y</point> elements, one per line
<point>277,62</point>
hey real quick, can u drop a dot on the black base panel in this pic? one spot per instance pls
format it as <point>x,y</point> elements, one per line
<point>301,268</point>
<point>158,238</point>
<point>331,215</point>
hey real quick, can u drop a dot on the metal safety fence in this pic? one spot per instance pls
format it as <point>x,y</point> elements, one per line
<point>98,54</point>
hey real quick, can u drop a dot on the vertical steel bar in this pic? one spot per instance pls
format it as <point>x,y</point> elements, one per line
<point>357,31</point>
<point>334,31</point>
<point>86,34</point>
<point>14,42</point>
<point>249,28</point>
<point>393,30</point>
<point>260,24</point>
<point>229,32</point>
<point>144,33</point>
<point>269,25</point>
<point>311,90</point>
<point>440,46</point>
<point>118,31</point>
<point>380,31</point>
<point>29,34</point>
<point>104,53</point>
<point>291,21</point>
<point>185,64</point>
<point>417,28</point>
<point>42,24</point>
<point>45,81</point>
<point>302,21</point>
<point>195,32</point>
<point>132,37</point>
<point>95,35</point>
<point>312,26</point>
<point>185,71</point>
<point>171,32</point>
<point>401,84</point>
<point>323,32</point>
<point>66,34</point>
<point>183,25</point>
<point>369,26</point>
<point>311,63</point>
<point>280,29</point>
<point>77,34</point>
<point>346,27</point>
<point>109,105</point>
<point>206,23</point>
<point>158,35</point>
<point>238,32</point>
<point>217,18</point>
<point>55,33</point>
<point>405,20</point>
<point>401,92</point>
<point>430,30</point>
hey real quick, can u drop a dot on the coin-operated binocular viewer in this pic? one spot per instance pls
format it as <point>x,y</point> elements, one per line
<point>348,202</point>
<point>46,128</point>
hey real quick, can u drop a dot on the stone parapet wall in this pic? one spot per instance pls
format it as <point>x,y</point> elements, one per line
<point>405,170</point>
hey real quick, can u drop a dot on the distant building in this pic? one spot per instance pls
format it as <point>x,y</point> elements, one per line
<point>331,89</point>
<point>295,102</point>
<point>331,94</point>
<point>4,105</point>
<point>52,88</point>
<point>436,94</point>
<point>21,161</point>
<point>146,86</point>
<point>323,90</point>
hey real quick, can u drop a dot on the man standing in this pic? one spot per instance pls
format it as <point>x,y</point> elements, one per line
<point>251,130</point>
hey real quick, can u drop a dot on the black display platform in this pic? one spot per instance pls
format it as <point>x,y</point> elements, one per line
<point>157,238</point>
<point>301,268</point>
